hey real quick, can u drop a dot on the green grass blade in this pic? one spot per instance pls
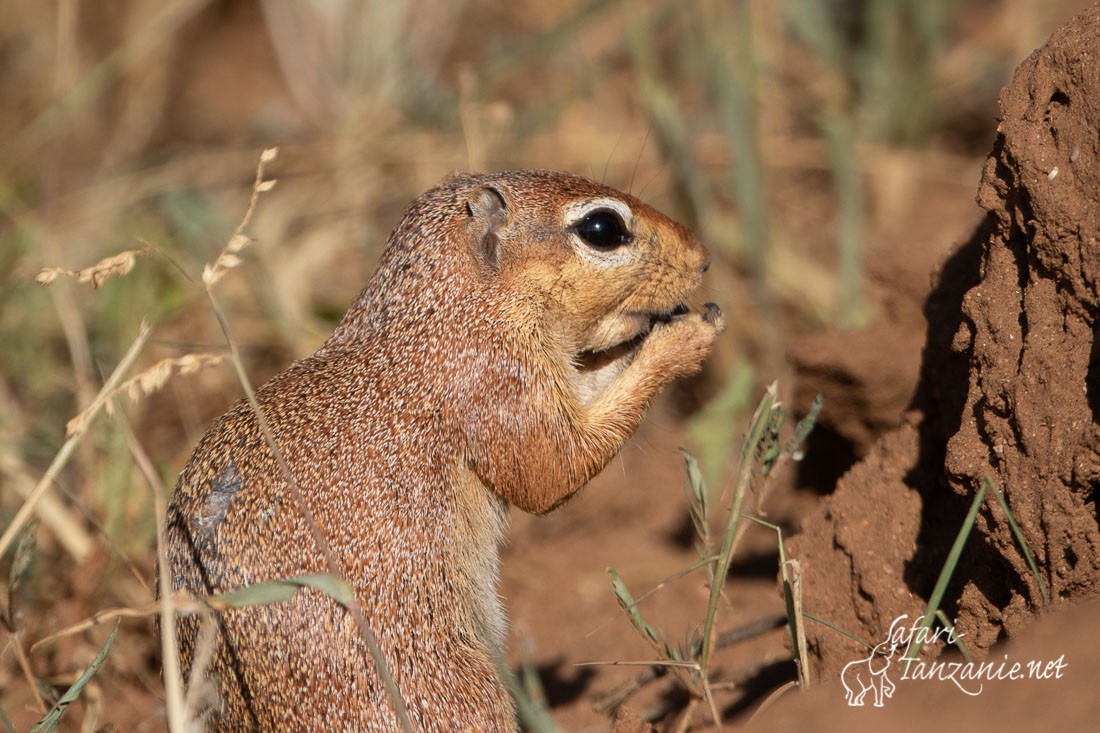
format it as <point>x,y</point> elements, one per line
<point>728,41</point>
<point>696,481</point>
<point>628,604</point>
<point>848,183</point>
<point>770,450</point>
<point>1021,541</point>
<point>819,28</point>
<point>49,723</point>
<point>529,696</point>
<point>837,629</point>
<point>951,629</point>
<point>698,502</point>
<point>274,591</point>
<point>949,568</point>
<point>761,419</point>
<point>792,595</point>
<point>715,428</point>
<point>792,598</point>
<point>804,427</point>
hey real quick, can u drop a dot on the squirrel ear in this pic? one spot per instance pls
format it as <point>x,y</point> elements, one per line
<point>489,210</point>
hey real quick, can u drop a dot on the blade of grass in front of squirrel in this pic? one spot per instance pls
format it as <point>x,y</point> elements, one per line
<point>49,723</point>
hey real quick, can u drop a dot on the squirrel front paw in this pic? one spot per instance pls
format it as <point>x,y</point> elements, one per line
<point>678,347</point>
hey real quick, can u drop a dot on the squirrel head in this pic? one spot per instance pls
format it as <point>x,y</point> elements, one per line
<point>601,265</point>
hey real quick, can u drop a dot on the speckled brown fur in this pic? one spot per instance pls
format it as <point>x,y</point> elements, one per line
<point>458,382</point>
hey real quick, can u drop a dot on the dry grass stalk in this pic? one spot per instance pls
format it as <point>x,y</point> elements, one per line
<point>202,697</point>
<point>143,384</point>
<point>229,256</point>
<point>118,265</point>
<point>151,380</point>
<point>63,455</point>
<point>66,525</point>
<point>178,719</point>
<point>28,674</point>
<point>181,601</point>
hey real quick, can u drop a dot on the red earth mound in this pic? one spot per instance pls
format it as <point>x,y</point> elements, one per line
<point>1009,390</point>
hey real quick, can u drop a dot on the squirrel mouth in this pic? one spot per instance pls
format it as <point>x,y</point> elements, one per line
<point>593,361</point>
<point>669,316</point>
<point>596,368</point>
<point>639,325</point>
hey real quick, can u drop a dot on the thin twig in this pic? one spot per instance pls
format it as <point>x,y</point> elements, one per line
<point>25,665</point>
<point>714,714</point>
<point>181,601</point>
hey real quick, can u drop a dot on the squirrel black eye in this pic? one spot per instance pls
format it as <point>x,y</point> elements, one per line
<point>603,230</point>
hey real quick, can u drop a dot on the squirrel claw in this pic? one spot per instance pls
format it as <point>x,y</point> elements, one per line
<point>713,314</point>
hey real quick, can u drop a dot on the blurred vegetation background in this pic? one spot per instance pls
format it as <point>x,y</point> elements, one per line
<point>796,137</point>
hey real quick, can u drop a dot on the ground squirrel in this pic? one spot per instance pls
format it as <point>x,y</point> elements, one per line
<point>517,328</point>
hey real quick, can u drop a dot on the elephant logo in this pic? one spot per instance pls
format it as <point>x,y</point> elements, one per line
<point>869,675</point>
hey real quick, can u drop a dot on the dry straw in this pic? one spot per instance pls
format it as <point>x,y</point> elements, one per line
<point>118,265</point>
<point>63,455</point>
<point>147,382</point>
<point>229,257</point>
<point>180,709</point>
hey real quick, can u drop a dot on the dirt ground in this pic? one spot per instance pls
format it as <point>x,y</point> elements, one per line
<point>979,360</point>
